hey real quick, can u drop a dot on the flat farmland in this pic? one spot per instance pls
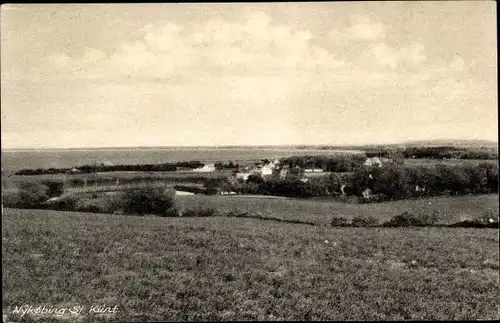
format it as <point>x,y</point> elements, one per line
<point>14,180</point>
<point>188,269</point>
<point>450,209</point>
<point>451,162</point>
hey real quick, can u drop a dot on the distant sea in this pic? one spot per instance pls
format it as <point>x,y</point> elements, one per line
<point>13,160</point>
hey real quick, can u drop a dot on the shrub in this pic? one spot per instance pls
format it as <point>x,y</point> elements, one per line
<point>102,204</point>
<point>11,198</point>
<point>339,221</point>
<point>255,178</point>
<point>377,198</point>
<point>29,195</point>
<point>55,187</point>
<point>149,200</point>
<point>430,218</point>
<point>476,223</point>
<point>237,214</point>
<point>488,219</point>
<point>211,191</point>
<point>364,221</point>
<point>489,216</point>
<point>409,220</point>
<point>77,182</point>
<point>68,203</point>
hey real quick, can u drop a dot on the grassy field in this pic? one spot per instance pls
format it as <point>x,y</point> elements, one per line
<point>185,269</point>
<point>450,162</point>
<point>12,181</point>
<point>450,209</point>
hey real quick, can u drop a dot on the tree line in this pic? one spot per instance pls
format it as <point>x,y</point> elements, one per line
<point>439,152</point>
<point>164,167</point>
<point>392,182</point>
<point>336,163</point>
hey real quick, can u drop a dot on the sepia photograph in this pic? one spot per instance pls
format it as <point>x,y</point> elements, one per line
<point>271,161</point>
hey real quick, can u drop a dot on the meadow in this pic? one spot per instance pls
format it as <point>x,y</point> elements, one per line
<point>450,162</point>
<point>320,211</point>
<point>109,178</point>
<point>283,262</point>
<point>187,269</point>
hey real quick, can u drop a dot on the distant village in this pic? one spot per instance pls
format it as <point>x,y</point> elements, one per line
<point>276,169</point>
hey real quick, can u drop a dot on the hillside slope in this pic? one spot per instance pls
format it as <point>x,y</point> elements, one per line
<point>186,269</point>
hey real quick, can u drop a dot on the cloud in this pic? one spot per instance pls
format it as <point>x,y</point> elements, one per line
<point>457,64</point>
<point>59,60</point>
<point>215,46</point>
<point>408,56</point>
<point>361,28</point>
<point>93,56</point>
<point>365,31</point>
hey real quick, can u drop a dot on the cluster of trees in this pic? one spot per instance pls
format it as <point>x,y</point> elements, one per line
<point>276,187</point>
<point>378,153</point>
<point>32,194</point>
<point>392,182</point>
<point>336,163</point>
<point>164,167</point>
<point>42,171</point>
<point>438,152</point>
<point>396,182</point>
<point>229,165</point>
<point>448,152</point>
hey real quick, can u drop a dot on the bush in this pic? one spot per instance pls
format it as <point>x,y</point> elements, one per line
<point>339,221</point>
<point>255,178</point>
<point>77,182</point>
<point>430,218</point>
<point>102,204</point>
<point>410,220</point>
<point>489,216</point>
<point>237,214</point>
<point>149,200</point>
<point>488,219</point>
<point>11,198</point>
<point>28,196</point>
<point>476,223</point>
<point>67,203</point>
<point>211,191</point>
<point>365,221</point>
<point>55,188</point>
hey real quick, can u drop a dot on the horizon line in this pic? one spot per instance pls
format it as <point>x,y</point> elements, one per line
<point>330,146</point>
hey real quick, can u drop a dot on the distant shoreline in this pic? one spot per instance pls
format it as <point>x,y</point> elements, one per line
<point>435,142</point>
<point>362,147</point>
<point>184,148</point>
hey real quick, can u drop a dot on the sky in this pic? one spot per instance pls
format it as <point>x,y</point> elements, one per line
<point>318,73</point>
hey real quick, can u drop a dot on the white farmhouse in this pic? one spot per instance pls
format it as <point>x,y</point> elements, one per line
<point>207,168</point>
<point>376,161</point>
<point>243,176</point>
<point>267,170</point>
